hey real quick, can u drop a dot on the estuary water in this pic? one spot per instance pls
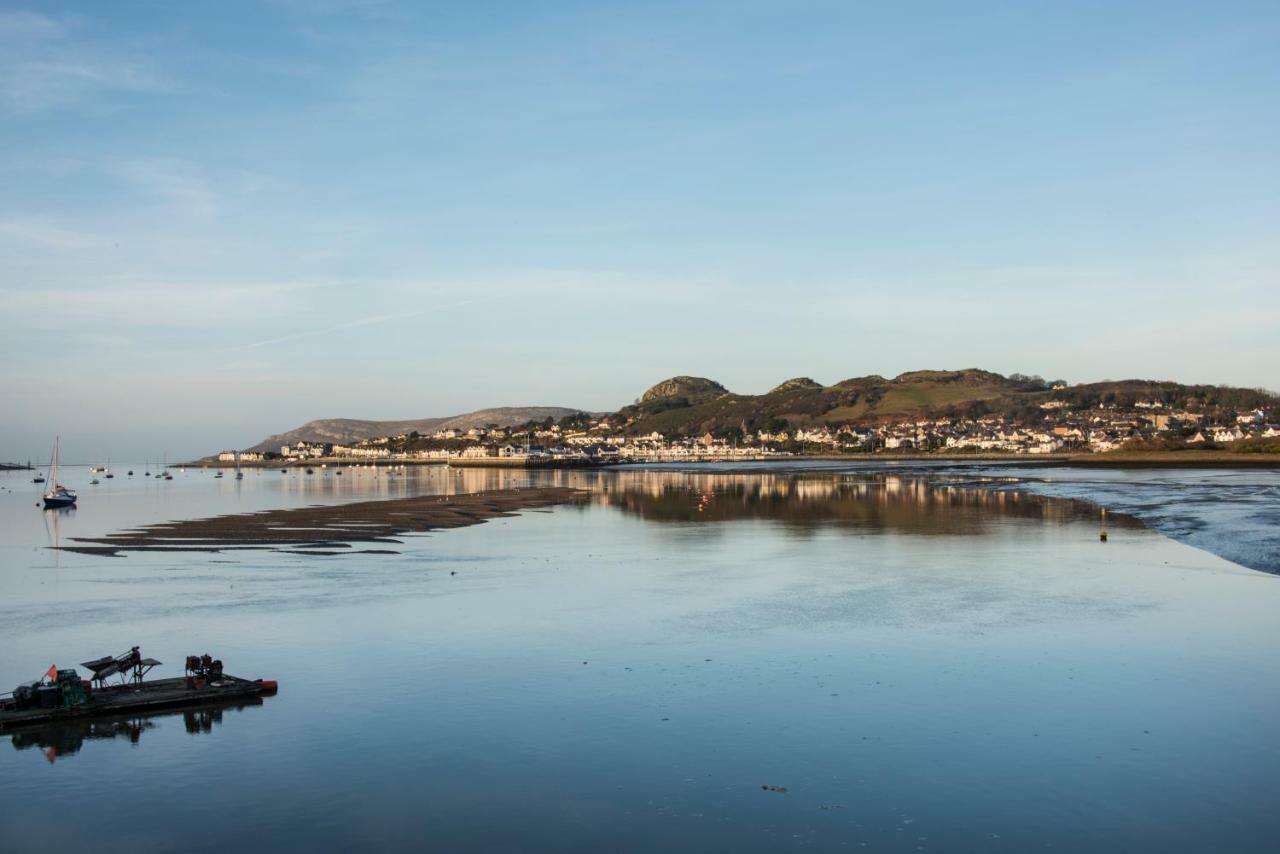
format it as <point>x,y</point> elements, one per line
<point>821,658</point>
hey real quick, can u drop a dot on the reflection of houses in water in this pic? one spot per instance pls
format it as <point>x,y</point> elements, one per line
<point>916,504</point>
<point>67,737</point>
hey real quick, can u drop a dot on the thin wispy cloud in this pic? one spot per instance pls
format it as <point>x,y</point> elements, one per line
<point>47,63</point>
<point>46,233</point>
<point>28,25</point>
<point>176,304</point>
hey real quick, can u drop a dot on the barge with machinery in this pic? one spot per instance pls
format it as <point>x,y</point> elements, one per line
<point>62,695</point>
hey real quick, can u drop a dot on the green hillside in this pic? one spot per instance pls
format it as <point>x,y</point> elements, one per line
<point>685,405</point>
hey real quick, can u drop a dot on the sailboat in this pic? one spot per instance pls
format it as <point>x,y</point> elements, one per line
<point>239,474</point>
<point>168,475</point>
<point>109,474</point>
<point>58,495</point>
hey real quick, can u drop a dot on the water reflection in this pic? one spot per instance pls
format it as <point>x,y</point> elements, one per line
<point>66,738</point>
<point>906,504</point>
<point>929,503</point>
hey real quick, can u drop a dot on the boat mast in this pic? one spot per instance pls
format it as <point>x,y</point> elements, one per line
<point>53,466</point>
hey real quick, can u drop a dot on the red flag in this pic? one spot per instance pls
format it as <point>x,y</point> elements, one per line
<point>52,672</point>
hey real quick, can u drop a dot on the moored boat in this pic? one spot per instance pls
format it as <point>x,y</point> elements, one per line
<point>61,694</point>
<point>57,495</point>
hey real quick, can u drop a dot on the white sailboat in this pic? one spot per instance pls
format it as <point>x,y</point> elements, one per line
<point>239,474</point>
<point>58,495</point>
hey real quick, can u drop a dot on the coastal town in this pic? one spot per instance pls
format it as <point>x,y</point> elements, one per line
<point>594,440</point>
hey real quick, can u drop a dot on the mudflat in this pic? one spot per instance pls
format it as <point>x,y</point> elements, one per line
<point>321,530</point>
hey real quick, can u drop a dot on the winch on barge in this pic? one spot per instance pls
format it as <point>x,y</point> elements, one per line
<point>63,695</point>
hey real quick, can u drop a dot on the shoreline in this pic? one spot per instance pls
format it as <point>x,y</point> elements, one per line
<point>1111,459</point>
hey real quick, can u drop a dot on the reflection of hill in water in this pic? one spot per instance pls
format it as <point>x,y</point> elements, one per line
<point>926,503</point>
<point>67,737</point>
<point>907,504</point>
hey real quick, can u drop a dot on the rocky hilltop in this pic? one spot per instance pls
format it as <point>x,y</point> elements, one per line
<point>683,389</point>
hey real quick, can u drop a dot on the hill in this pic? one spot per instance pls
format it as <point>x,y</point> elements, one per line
<point>339,430</point>
<point>684,406</point>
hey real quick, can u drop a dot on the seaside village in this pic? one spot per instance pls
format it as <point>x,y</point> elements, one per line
<point>605,440</point>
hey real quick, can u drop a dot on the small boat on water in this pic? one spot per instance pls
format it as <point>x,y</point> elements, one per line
<point>39,478</point>
<point>63,695</point>
<point>57,495</point>
<point>217,475</point>
<point>239,474</point>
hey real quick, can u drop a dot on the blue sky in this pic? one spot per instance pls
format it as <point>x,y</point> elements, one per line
<point>222,220</point>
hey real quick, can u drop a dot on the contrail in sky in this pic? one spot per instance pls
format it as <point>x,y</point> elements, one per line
<point>351,324</point>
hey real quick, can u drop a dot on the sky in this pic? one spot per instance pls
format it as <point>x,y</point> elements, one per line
<point>218,221</point>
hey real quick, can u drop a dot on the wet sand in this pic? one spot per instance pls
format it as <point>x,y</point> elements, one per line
<point>327,530</point>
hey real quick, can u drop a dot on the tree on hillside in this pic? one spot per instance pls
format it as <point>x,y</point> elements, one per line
<point>1028,382</point>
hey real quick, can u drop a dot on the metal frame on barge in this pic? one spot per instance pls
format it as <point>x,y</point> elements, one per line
<point>61,695</point>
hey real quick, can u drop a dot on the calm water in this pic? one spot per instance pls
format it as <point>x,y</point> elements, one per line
<point>920,664</point>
